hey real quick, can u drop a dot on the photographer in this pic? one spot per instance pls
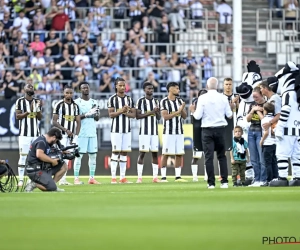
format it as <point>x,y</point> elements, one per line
<point>41,167</point>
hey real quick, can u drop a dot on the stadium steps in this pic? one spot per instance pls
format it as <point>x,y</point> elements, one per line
<point>252,51</point>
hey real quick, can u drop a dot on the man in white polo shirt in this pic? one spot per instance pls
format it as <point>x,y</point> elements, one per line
<point>212,109</point>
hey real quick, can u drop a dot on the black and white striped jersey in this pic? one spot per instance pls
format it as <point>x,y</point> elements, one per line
<point>174,125</point>
<point>121,123</point>
<point>67,113</point>
<point>149,124</point>
<point>28,126</point>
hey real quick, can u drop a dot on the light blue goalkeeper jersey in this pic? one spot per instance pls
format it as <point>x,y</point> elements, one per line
<point>88,125</point>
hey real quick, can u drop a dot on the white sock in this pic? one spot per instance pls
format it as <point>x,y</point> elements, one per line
<point>163,172</point>
<point>63,179</point>
<point>178,172</point>
<point>122,169</point>
<point>113,169</point>
<point>195,170</point>
<point>155,170</point>
<point>140,170</point>
<point>21,171</point>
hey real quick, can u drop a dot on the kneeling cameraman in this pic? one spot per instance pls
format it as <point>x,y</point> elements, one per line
<point>40,167</point>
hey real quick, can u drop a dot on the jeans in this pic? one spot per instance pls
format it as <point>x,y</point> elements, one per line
<point>256,156</point>
<point>269,153</point>
<point>277,4</point>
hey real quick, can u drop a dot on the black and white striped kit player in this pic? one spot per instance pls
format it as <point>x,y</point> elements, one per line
<point>173,138</point>
<point>148,135</point>
<point>121,110</point>
<point>67,113</point>
<point>29,126</point>
<point>120,125</point>
<point>28,112</point>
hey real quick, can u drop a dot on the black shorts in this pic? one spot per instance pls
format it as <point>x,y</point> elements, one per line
<point>197,136</point>
<point>44,177</point>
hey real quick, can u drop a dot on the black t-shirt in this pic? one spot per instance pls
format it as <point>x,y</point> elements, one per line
<point>255,121</point>
<point>18,54</point>
<point>9,93</point>
<point>107,89</point>
<point>54,49</point>
<point>67,74</point>
<point>71,46</point>
<point>39,143</point>
<point>156,11</point>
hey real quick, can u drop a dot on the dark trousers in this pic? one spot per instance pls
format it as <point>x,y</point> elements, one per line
<point>269,153</point>
<point>213,140</point>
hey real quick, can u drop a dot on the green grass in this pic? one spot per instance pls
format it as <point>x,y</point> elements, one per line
<point>149,216</point>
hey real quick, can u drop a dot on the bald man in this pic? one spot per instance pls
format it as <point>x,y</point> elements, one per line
<point>212,108</point>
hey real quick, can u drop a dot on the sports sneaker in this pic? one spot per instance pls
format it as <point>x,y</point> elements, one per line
<point>155,180</point>
<point>125,181</point>
<point>163,179</point>
<point>255,184</point>
<point>195,179</point>
<point>78,182</point>
<point>114,181</point>
<point>64,182</point>
<point>93,181</point>
<point>210,186</point>
<point>30,187</point>
<point>139,180</point>
<point>264,184</point>
<point>180,180</point>
<point>224,185</point>
<point>59,190</point>
<point>20,183</point>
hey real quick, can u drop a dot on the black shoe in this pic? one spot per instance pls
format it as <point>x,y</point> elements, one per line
<point>235,184</point>
<point>280,182</point>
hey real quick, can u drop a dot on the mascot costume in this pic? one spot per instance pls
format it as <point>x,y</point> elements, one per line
<point>250,80</point>
<point>286,83</point>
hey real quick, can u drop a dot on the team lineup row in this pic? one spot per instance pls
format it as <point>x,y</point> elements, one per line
<point>77,121</point>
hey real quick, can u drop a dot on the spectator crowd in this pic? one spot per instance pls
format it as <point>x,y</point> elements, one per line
<point>58,42</point>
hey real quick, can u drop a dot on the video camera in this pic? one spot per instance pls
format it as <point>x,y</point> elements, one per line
<point>57,152</point>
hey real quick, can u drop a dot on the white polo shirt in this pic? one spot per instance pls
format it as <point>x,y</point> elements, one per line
<point>212,109</point>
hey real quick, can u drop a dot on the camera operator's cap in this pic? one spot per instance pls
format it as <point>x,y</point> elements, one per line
<point>172,84</point>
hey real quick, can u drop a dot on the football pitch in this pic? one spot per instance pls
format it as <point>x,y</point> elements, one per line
<point>150,216</point>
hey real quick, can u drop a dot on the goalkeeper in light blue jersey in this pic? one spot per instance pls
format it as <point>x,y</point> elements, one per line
<point>87,138</point>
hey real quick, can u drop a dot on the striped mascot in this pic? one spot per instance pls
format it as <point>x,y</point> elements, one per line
<point>250,80</point>
<point>286,83</point>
